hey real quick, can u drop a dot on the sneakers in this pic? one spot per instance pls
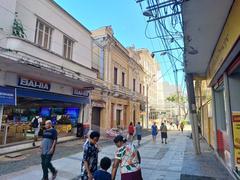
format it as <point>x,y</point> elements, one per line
<point>54,175</point>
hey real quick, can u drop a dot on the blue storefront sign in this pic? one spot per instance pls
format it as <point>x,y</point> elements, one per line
<point>80,92</point>
<point>35,84</point>
<point>7,96</point>
<point>23,92</point>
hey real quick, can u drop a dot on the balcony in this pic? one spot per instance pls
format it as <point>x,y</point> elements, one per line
<point>123,92</point>
<point>119,91</point>
<point>139,97</point>
<point>23,46</point>
<point>24,52</point>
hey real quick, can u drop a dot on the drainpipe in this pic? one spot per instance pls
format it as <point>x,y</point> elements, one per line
<point>192,112</point>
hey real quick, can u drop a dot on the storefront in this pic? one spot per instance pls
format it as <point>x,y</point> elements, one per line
<point>227,115</point>
<point>233,80</point>
<point>31,97</point>
<point>224,78</point>
<point>97,115</point>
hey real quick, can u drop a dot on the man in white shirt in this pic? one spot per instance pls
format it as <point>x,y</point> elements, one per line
<point>36,124</point>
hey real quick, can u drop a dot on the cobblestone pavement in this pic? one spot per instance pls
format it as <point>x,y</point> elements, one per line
<point>32,157</point>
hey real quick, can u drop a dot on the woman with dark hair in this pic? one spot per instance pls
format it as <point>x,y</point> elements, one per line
<point>90,156</point>
<point>128,157</point>
<point>130,132</point>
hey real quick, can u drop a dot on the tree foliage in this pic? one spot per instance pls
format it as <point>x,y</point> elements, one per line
<point>174,99</point>
<point>181,101</point>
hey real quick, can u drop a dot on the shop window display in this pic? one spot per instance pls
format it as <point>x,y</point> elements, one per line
<point>18,121</point>
<point>45,112</point>
<point>73,115</point>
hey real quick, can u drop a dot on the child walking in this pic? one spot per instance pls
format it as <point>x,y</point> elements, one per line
<point>102,173</point>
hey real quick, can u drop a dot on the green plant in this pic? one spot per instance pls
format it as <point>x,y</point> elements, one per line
<point>17,29</point>
<point>180,101</point>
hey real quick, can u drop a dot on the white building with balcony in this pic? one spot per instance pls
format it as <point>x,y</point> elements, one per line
<point>45,63</point>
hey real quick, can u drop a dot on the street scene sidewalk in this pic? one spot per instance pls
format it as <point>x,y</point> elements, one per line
<point>205,166</point>
<point>159,161</point>
<point>28,145</point>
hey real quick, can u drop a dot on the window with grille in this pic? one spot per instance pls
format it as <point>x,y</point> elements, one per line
<point>43,35</point>
<point>115,75</point>
<point>134,84</point>
<point>67,47</point>
<point>123,79</point>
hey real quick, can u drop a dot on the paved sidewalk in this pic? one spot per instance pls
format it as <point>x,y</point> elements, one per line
<point>159,161</point>
<point>28,145</point>
<point>205,166</point>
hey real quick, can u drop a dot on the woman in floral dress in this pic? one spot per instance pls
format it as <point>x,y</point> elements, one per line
<point>128,157</point>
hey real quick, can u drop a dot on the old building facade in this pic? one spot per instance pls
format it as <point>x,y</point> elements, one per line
<point>153,85</point>
<point>123,79</point>
<point>45,68</point>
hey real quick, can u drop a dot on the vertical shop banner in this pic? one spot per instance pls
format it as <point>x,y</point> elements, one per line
<point>7,96</point>
<point>236,136</point>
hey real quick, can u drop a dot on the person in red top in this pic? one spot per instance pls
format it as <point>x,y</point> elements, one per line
<point>130,132</point>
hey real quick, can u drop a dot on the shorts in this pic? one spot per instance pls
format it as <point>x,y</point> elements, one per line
<point>36,131</point>
<point>130,134</point>
<point>139,137</point>
<point>163,134</point>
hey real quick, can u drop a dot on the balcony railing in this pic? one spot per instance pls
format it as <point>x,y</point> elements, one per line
<point>127,93</point>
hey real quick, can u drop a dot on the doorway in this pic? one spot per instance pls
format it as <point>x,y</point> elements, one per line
<point>96,114</point>
<point>118,118</point>
<point>134,117</point>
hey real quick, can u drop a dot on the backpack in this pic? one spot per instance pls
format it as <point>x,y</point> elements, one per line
<point>35,123</point>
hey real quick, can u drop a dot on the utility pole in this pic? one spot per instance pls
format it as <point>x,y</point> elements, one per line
<point>150,81</point>
<point>178,96</point>
<point>192,112</point>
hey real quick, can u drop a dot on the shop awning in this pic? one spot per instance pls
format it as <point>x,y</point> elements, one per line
<point>203,24</point>
<point>22,92</point>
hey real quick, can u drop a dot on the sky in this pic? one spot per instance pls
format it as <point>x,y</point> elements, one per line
<point>127,21</point>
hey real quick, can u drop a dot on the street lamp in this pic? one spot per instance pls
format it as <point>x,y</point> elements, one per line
<point>165,52</point>
<point>148,13</point>
<point>175,71</point>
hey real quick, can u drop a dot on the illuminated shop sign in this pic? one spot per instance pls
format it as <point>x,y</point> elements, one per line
<point>36,84</point>
<point>7,96</point>
<point>80,92</point>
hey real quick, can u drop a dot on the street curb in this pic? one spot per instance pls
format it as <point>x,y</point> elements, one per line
<point>34,147</point>
<point>191,177</point>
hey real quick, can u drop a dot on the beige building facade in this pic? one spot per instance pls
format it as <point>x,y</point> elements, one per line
<point>153,85</point>
<point>121,98</point>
